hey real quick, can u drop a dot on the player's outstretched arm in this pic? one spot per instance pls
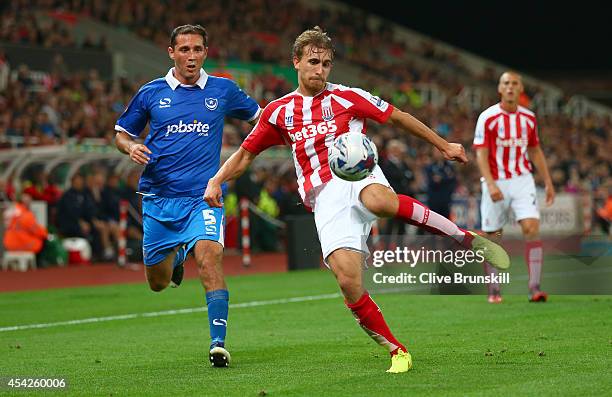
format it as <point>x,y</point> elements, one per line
<point>407,122</point>
<point>231,169</point>
<point>482,159</point>
<point>137,151</point>
<point>537,156</point>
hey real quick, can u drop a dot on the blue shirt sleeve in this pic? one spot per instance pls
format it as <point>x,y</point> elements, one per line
<point>240,105</point>
<point>136,115</point>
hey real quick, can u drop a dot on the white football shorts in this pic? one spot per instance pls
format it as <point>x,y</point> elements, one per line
<point>519,195</point>
<point>341,218</point>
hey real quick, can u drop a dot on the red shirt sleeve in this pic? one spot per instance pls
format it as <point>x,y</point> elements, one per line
<point>366,105</point>
<point>532,137</point>
<point>265,133</point>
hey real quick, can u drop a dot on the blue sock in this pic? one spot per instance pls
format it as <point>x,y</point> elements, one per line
<point>218,306</point>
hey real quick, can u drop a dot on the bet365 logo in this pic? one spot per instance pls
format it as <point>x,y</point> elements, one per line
<point>311,130</point>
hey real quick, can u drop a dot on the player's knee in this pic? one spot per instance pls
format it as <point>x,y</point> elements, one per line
<point>531,229</point>
<point>158,285</point>
<point>531,233</point>
<point>344,281</point>
<point>350,287</point>
<point>347,280</point>
<point>380,200</point>
<point>208,258</point>
<point>157,280</point>
<point>208,253</point>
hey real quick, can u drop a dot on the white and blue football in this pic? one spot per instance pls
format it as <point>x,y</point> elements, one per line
<point>352,156</point>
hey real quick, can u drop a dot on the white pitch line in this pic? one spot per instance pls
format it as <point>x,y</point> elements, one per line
<point>262,303</point>
<point>170,312</point>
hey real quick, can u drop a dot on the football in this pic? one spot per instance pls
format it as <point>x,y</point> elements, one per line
<point>352,156</point>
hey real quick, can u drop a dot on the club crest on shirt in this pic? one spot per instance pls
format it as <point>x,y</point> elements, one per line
<point>211,103</point>
<point>328,113</point>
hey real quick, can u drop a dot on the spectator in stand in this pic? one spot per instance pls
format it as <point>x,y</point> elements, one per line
<point>401,177</point>
<point>603,214</point>
<point>106,231</point>
<point>441,181</point>
<point>4,195</point>
<point>23,232</point>
<point>75,211</point>
<point>111,197</point>
<point>134,220</point>
<point>42,188</point>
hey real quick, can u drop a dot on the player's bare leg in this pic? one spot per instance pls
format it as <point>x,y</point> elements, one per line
<point>347,267</point>
<point>158,275</point>
<point>209,257</point>
<point>384,202</point>
<point>494,290</point>
<point>533,257</point>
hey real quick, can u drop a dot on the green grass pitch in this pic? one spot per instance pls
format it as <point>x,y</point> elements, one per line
<point>461,345</point>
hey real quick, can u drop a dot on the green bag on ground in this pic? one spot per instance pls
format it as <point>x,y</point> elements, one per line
<point>53,253</point>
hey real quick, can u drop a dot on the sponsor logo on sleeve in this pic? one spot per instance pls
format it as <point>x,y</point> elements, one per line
<point>376,101</point>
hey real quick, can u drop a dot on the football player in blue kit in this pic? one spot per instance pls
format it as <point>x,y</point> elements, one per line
<point>185,110</point>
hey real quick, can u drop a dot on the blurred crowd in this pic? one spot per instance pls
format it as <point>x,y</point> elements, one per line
<point>65,105</point>
<point>19,24</point>
<point>87,209</point>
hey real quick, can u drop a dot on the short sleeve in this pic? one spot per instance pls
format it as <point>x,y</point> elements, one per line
<point>135,117</point>
<point>480,137</point>
<point>533,138</point>
<point>265,133</point>
<point>366,105</point>
<point>240,105</point>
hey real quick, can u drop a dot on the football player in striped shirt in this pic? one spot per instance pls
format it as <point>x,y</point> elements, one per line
<point>506,142</point>
<point>308,120</point>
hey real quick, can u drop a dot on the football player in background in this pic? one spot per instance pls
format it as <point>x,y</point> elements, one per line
<point>506,142</point>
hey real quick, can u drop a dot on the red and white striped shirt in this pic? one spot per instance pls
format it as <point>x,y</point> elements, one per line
<point>310,125</point>
<point>507,136</point>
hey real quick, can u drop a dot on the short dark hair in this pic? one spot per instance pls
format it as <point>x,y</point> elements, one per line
<point>315,37</point>
<point>189,29</point>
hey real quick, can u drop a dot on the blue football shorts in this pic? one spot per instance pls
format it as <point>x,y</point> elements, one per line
<point>171,222</point>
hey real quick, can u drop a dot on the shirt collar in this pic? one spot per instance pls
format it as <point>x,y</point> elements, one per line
<point>173,82</point>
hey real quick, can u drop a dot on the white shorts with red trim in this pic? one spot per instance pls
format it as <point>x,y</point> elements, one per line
<point>519,195</point>
<point>341,218</point>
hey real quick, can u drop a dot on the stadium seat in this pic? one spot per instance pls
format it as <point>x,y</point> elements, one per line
<point>18,260</point>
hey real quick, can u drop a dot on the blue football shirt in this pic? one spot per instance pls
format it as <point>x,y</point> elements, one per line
<point>185,130</point>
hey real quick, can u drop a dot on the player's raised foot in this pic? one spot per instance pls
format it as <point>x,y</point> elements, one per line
<point>492,252</point>
<point>495,299</point>
<point>538,296</point>
<point>179,270</point>
<point>219,356</point>
<point>400,362</point>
